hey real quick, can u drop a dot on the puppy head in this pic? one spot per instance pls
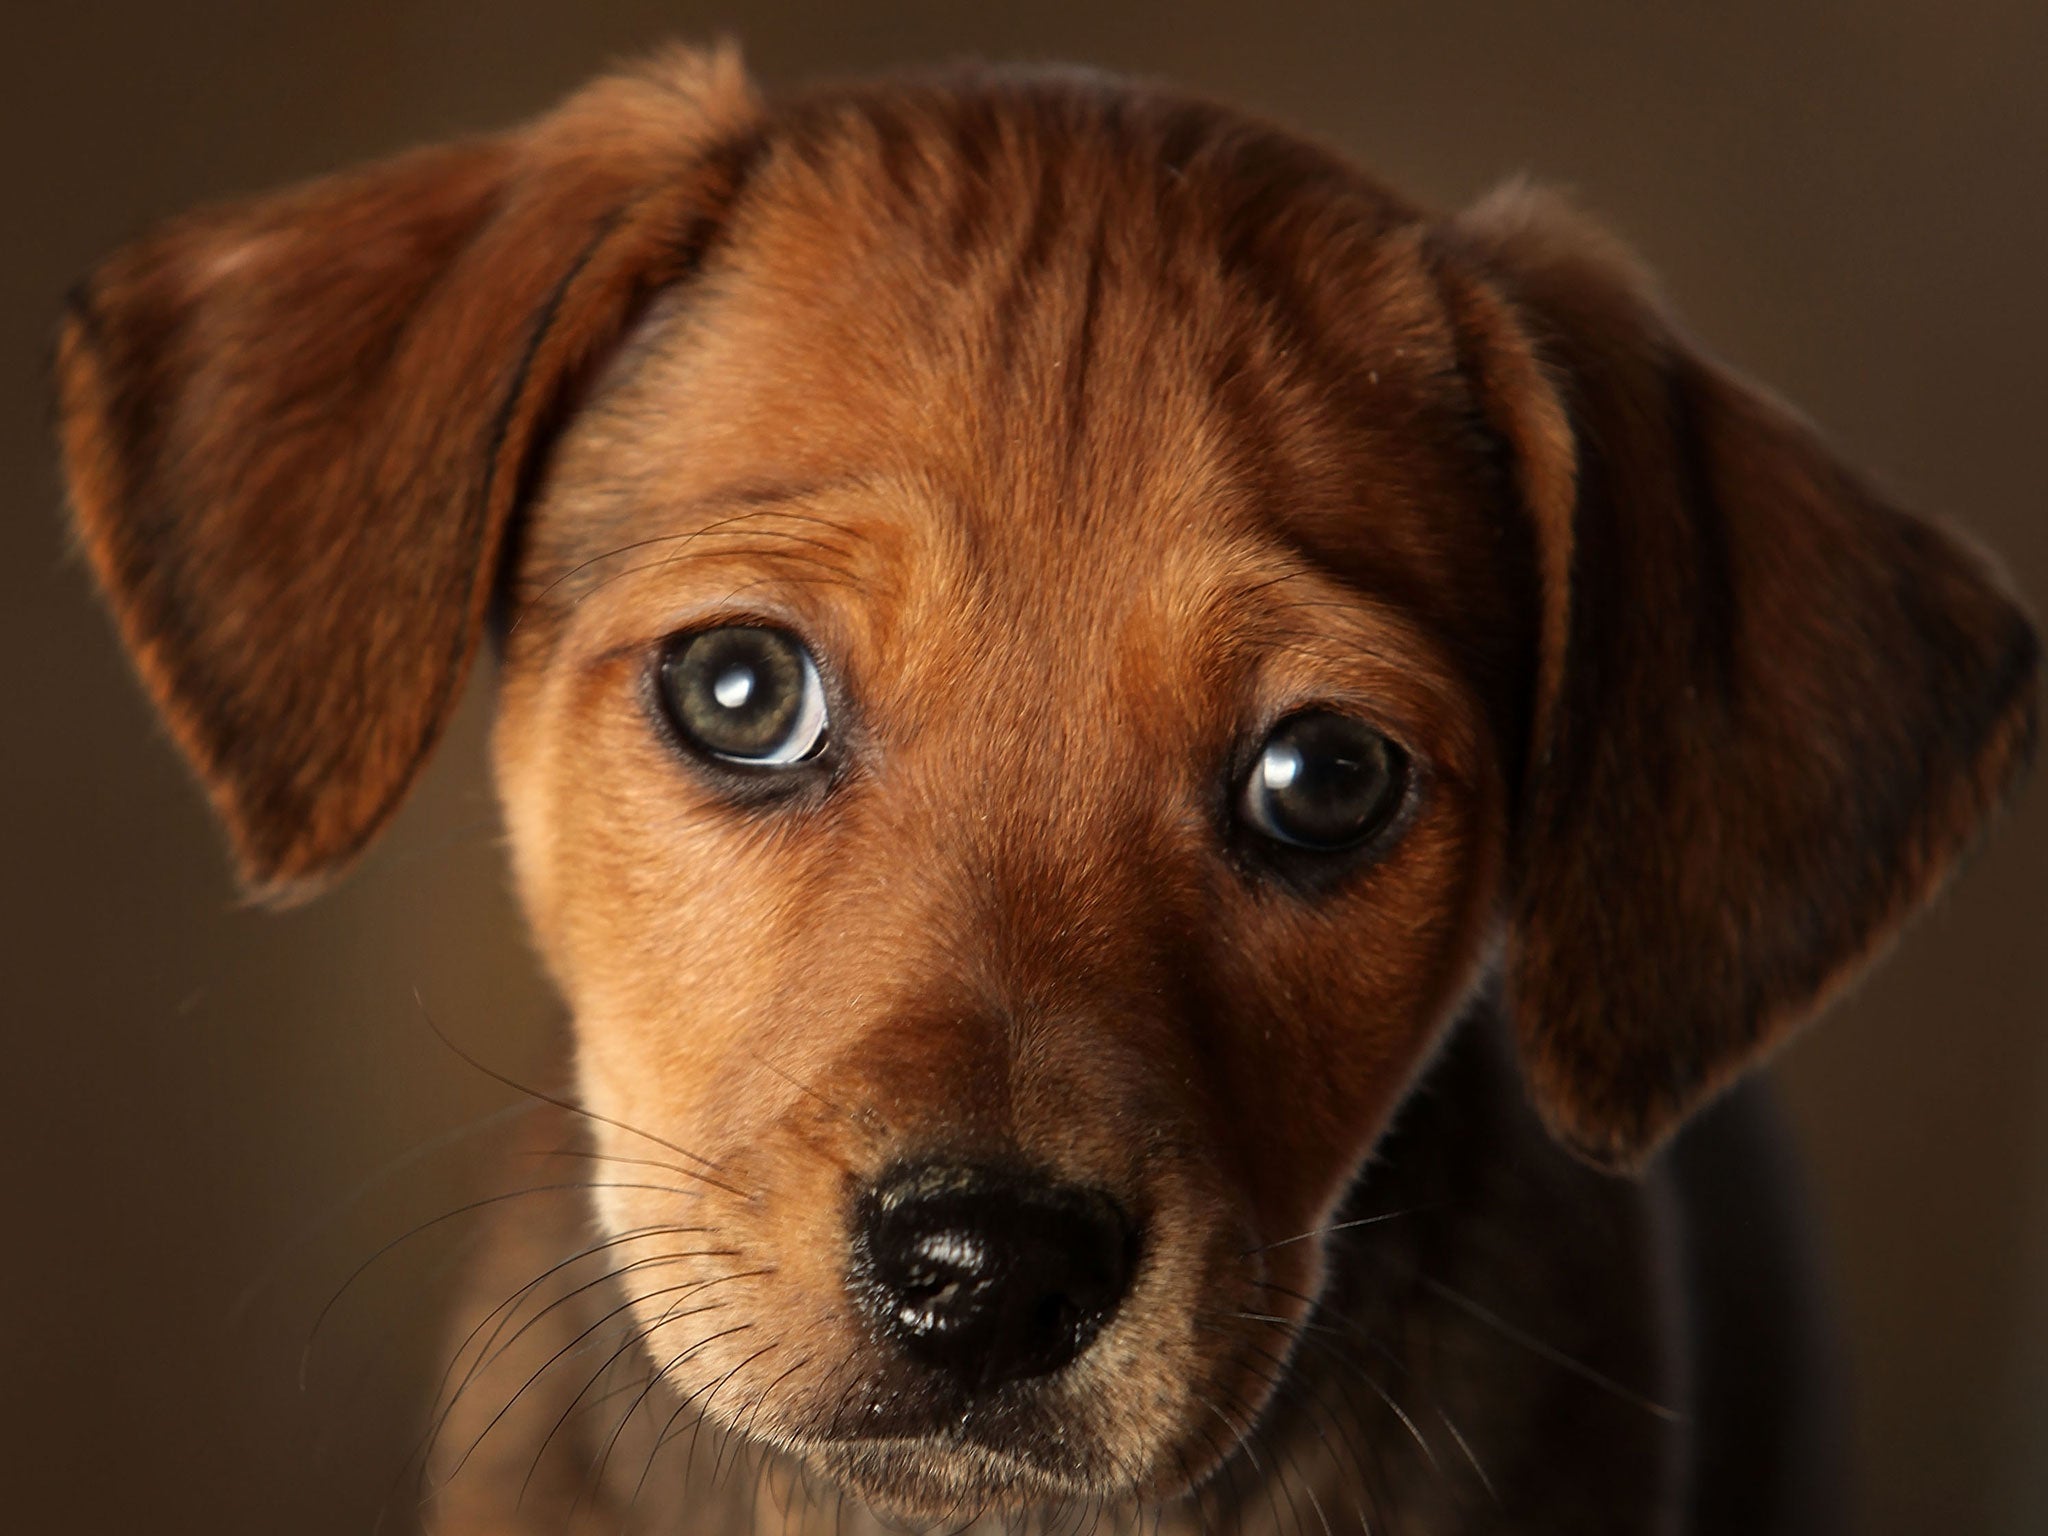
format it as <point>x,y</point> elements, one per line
<point>1052,637</point>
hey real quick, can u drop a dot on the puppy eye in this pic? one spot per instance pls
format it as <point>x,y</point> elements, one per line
<point>745,694</point>
<point>1324,781</point>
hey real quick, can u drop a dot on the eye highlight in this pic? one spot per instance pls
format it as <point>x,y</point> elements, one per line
<point>1323,781</point>
<point>744,694</point>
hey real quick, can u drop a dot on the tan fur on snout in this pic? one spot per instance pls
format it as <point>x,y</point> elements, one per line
<point>1082,434</point>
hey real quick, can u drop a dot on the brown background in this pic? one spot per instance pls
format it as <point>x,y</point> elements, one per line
<point>1850,200</point>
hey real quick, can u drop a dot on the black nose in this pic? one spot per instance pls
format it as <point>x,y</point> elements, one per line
<point>990,1275</point>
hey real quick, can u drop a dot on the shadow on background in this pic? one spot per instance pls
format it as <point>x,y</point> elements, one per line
<point>1848,202</point>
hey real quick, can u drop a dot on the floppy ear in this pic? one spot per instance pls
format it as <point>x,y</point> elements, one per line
<point>1771,710</point>
<point>296,430</point>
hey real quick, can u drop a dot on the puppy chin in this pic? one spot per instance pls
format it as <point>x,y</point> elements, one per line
<point>922,1482</point>
<point>929,1460</point>
<point>935,1458</point>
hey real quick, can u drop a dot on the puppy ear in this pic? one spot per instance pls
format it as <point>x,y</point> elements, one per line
<point>1771,710</point>
<point>296,430</point>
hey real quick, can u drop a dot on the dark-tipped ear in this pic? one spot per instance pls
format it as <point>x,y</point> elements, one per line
<point>1771,709</point>
<point>296,429</point>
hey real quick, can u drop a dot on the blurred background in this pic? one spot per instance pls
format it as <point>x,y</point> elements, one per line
<point>209,1117</point>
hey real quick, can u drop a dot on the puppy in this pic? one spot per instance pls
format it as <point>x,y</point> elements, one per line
<point>1155,779</point>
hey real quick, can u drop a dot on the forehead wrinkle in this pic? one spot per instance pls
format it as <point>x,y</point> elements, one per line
<point>1079,245</point>
<point>763,520</point>
<point>1076,546</point>
<point>1081,493</point>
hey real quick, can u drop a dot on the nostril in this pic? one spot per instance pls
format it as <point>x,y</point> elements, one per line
<point>936,1276</point>
<point>987,1274</point>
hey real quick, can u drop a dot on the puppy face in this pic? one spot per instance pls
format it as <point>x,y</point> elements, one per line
<point>1053,636</point>
<point>1013,910</point>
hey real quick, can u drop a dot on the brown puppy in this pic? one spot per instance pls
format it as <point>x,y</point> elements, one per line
<point>1116,738</point>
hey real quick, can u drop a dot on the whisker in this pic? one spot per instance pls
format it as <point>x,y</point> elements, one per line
<point>1549,1352</point>
<point>1332,1230</point>
<point>1241,593</point>
<point>698,1428</point>
<point>650,1262</point>
<point>574,1108</point>
<point>824,575</point>
<point>1194,1494</point>
<point>1360,1336</point>
<point>735,1434</point>
<point>634,1339</point>
<point>502,1314</point>
<point>1334,1333</point>
<point>866,1116</point>
<point>594,1481</point>
<point>355,1195</point>
<point>1285,1380</point>
<point>669,1432</point>
<point>1242,1443</point>
<point>1283,1383</point>
<point>1308,1487</point>
<point>717,526</point>
<point>761,1402</point>
<point>547,1365</point>
<point>579,1154</point>
<point>1473,1461</point>
<point>1225,1453</point>
<point>820,580</point>
<point>467,1208</point>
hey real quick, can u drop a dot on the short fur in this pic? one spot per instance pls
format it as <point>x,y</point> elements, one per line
<point>1082,430</point>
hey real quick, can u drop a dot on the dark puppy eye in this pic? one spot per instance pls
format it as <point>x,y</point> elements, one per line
<point>1324,781</point>
<point>745,694</point>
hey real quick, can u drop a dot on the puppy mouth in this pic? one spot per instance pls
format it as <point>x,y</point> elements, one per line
<point>931,1445</point>
<point>952,1478</point>
<point>946,1461</point>
<point>942,1458</point>
<point>931,1452</point>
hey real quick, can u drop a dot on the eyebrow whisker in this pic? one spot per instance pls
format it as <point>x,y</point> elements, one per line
<point>726,525</point>
<point>824,576</point>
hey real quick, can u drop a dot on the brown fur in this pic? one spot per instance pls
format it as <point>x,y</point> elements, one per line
<point>1081,431</point>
